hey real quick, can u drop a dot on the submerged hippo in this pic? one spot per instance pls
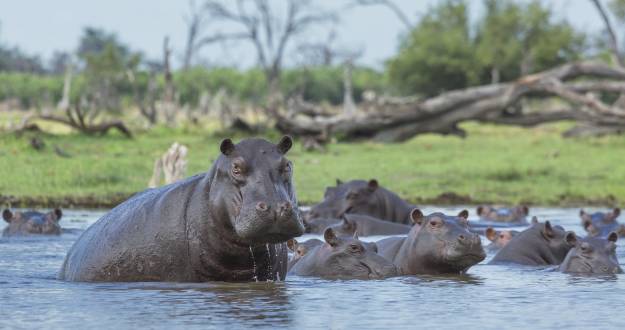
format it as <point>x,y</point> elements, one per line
<point>601,224</point>
<point>319,225</point>
<point>32,223</point>
<point>362,197</point>
<point>499,238</point>
<point>540,244</point>
<point>363,225</point>
<point>437,244</point>
<point>300,249</point>
<point>343,257</point>
<point>228,224</point>
<point>516,214</point>
<point>593,255</point>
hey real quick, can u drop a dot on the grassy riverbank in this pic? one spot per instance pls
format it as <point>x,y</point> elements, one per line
<point>493,164</point>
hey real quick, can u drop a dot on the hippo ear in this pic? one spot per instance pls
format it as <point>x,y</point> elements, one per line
<point>339,182</point>
<point>372,185</point>
<point>58,214</point>
<point>570,238</point>
<point>285,144</point>
<point>534,220</point>
<point>491,234</point>
<point>548,230</point>
<point>464,214</point>
<point>479,210</point>
<point>416,216</point>
<point>7,215</point>
<point>525,209</point>
<point>613,237</point>
<point>226,147</point>
<point>292,244</point>
<point>330,237</point>
<point>616,212</point>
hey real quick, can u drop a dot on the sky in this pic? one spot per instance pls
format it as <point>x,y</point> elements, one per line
<point>41,27</point>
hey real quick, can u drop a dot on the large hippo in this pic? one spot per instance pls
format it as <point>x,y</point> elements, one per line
<point>362,197</point>
<point>436,244</point>
<point>517,215</point>
<point>343,257</point>
<point>601,224</point>
<point>32,223</point>
<point>228,224</point>
<point>498,238</point>
<point>300,249</point>
<point>364,225</point>
<point>540,244</point>
<point>593,255</point>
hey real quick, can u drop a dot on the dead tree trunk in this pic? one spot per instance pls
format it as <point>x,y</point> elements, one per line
<point>398,121</point>
<point>172,165</point>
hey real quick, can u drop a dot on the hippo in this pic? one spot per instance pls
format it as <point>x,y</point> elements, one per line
<point>32,223</point>
<point>345,258</point>
<point>539,245</point>
<point>228,224</point>
<point>362,197</point>
<point>300,249</point>
<point>601,224</point>
<point>331,205</point>
<point>593,255</point>
<point>516,214</point>
<point>363,225</point>
<point>319,225</point>
<point>436,244</point>
<point>498,238</point>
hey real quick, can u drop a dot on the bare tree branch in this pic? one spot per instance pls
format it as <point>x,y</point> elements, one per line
<point>616,54</point>
<point>390,5</point>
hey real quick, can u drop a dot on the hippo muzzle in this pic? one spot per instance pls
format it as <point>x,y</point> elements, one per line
<point>269,223</point>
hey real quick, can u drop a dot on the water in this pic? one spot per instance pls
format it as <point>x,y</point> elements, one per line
<point>489,297</point>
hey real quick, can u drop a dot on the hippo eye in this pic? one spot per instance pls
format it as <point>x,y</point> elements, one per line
<point>236,170</point>
<point>502,236</point>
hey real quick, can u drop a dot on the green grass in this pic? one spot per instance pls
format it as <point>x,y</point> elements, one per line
<point>493,164</point>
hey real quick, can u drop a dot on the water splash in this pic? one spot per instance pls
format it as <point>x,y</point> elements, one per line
<point>254,263</point>
<point>269,260</point>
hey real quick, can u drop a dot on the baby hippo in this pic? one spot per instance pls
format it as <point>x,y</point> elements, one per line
<point>601,224</point>
<point>541,244</point>
<point>498,239</point>
<point>364,225</point>
<point>516,214</point>
<point>300,249</point>
<point>32,223</point>
<point>342,257</point>
<point>437,244</point>
<point>593,255</point>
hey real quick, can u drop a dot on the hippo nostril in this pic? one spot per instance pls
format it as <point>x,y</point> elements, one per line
<point>461,237</point>
<point>262,207</point>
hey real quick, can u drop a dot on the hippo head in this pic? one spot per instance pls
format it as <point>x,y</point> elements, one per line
<point>503,214</point>
<point>332,203</point>
<point>601,223</point>
<point>252,188</point>
<point>318,225</point>
<point>348,256</point>
<point>27,223</point>
<point>300,249</point>
<point>558,241</point>
<point>593,255</point>
<point>499,239</point>
<point>361,199</point>
<point>444,243</point>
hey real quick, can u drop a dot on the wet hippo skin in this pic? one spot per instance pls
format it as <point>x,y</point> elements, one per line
<point>228,224</point>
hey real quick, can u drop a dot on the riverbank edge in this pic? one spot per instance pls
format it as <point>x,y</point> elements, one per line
<point>446,198</point>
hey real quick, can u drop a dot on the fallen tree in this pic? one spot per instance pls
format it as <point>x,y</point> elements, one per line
<point>396,120</point>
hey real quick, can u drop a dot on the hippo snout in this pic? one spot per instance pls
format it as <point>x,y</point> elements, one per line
<point>469,239</point>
